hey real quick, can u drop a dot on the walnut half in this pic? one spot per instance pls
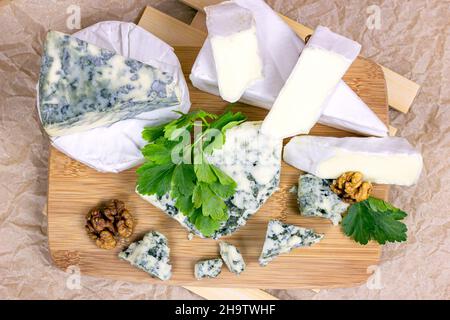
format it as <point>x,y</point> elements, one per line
<point>109,222</point>
<point>351,187</point>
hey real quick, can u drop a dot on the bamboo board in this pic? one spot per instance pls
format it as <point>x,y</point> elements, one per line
<point>335,262</point>
<point>400,90</point>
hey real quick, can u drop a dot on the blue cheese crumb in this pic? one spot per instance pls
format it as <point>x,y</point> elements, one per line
<point>282,238</point>
<point>208,268</point>
<point>151,254</point>
<point>315,198</point>
<point>232,257</point>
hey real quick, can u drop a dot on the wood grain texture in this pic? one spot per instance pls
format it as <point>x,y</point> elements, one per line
<point>335,262</point>
<point>400,90</point>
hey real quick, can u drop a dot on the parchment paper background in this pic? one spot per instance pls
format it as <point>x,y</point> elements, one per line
<point>413,39</point>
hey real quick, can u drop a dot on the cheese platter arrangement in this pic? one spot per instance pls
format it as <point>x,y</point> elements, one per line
<point>219,160</point>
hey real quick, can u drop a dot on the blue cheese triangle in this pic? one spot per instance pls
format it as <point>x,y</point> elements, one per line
<point>316,199</point>
<point>208,268</point>
<point>253,160</point>
<point>282,238</point>
<point>82,86</point>
<point>151,254</point>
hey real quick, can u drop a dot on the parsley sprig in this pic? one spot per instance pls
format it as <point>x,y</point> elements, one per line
<point>374,219</point>
<point>176,164</point>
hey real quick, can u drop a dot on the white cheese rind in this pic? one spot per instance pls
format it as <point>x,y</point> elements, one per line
<point>208,268</point>
<point>82,86</point>
<point>151,254</point>
<point>316,199</point>
<point>322,64</point>
<point>235,49</point>
<point>232,257</point>
<point>253,160</point>
<point>389,160</point>
<point>282,238</point>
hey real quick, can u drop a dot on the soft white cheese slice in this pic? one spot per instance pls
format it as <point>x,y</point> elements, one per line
<point>322,64</point>
<point>280,48</point>
<point>389,160</point>
<point>235,49</point>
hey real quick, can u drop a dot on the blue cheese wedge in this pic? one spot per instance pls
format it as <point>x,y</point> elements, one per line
<point>82,86</point>
<point>253,160</point>
<point>208,268</point>
<point>316,199</point>
<point>151,254</point>
<point>282,238</point>
<point>232,257</point>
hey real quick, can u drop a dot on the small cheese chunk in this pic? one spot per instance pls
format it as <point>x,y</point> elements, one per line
<point>389,160</point>
<point>151,254</point>
<point>208,268</point>
<point>316,199</point>
<point>282,238</point>
<point>323,62</point>
<point>234,44</point>
<point>232,257</point>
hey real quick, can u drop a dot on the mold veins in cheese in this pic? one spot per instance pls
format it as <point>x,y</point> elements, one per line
<point>321,65</point>
<point>234,44</point>
<point>82,86</point>
<point>389,160</point>
<point>253,160</point>
<point>232,257</point>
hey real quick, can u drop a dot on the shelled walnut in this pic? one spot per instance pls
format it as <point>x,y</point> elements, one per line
<point>107,223</point>
<point>351,187</point>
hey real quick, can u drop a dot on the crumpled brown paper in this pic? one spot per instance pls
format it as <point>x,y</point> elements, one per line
<point>413,39</point>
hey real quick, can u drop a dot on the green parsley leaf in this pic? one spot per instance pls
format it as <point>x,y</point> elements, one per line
<point>223,177</point>
<point>184,204</point>
<point>211,204</point>
<point>150,134</point>
<point>204,172</point>
<point>206,225</point>
<point>160,151</point>
<point>155,178</point>
<point>374,219</point>
<point>183,179</point>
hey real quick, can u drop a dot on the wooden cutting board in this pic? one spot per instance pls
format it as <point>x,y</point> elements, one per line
<point>335,262</point>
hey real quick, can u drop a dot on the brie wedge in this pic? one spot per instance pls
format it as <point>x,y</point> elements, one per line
<point>234,44</point>
<point>389,160</point>
<point>323,62</point>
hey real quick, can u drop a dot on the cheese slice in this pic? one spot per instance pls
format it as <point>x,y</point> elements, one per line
<point>234,44</point>
<point>389,160</point>
<point>322,64</point>
<point>282,238</point>
<point>82,86</point>
<point>280,48</point>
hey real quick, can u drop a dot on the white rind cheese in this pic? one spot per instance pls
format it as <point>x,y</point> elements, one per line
<point>316,199</point>
<point>321,65</point>
<point>151,254</point>
<point>253,160</point>
<point>232,257</point>
<point>389,160</point>
<point>234,44</point>
<point>208,268</point>
<point>82,86</point>
<point>282,238</point>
